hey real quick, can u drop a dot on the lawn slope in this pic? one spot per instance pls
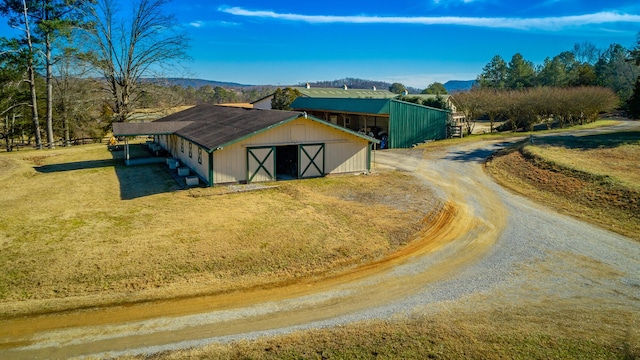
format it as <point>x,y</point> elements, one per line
<point>595,178</point>
<point>80,229</point>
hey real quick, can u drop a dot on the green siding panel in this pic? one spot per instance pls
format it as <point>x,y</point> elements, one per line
<point>364,106</point>
<point>408,123</point>
<point>411,124</point>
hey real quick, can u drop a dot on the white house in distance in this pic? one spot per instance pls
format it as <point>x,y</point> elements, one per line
<point>223,145</point>
<point>458,117</point>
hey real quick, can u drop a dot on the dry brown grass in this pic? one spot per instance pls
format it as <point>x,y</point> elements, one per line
<point>81,229</point>
<point>443,144</point>
<point>594,178</point>
<point>514,332</point>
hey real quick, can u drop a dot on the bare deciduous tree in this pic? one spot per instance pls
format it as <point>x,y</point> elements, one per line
<point>123,51</point>
<point>470,103</point>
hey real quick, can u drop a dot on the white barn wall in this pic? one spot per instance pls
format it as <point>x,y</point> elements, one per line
<point>337,161</point>
<point>172,144</point>
<point>202,169</point>
<point>344,153</point>
<point>263,104</point>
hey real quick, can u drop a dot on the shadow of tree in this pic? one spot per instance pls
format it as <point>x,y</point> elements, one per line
<point>80,165</point>
<point>587,142</point>
<point>477,155</point>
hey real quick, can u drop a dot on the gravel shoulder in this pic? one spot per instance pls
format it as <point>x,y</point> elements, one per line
<point>486,248</point>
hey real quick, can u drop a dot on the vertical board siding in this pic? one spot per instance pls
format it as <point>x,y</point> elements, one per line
<point>173,148</point>
<point>411,124</point>
<point>311,158</point>
<point>261,164</point>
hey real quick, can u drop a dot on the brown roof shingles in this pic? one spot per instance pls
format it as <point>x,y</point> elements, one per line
<point>209,126</point>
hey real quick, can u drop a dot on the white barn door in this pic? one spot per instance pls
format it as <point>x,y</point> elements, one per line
<point>311,160</point>
<point>261,164</point>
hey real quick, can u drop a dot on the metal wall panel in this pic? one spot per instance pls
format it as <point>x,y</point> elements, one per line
<point>410,124</point>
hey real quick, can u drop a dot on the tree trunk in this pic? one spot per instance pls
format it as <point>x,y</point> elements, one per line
<point>65,124</point>
<point>50,139</point>
<point>32,81</point>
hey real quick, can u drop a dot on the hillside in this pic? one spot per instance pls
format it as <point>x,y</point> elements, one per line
<point>354,83</point>
<point>459,85</point>
<point>198,83</point>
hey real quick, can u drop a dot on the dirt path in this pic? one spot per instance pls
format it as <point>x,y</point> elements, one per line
<point>486,247</point>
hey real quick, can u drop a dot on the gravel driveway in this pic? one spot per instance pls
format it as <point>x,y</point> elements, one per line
<point>497,249</point>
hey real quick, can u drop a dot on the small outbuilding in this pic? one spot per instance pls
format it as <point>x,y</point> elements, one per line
<point>223,145</point>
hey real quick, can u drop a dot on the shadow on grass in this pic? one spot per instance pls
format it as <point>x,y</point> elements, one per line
<point>477,155</point>
<point>135,181</point>
<point>80,165</point>
<point>587,142</point>
<point>584,142</point>
<point>144,180</point>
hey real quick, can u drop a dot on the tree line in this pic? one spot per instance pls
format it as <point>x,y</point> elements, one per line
<point>83,61</point>
<point>584,65</point>
<point>86,63</point>
<point>524,108</point>
<point>573,87</point>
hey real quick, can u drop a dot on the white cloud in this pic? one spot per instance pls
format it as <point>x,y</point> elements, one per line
<point>544,23</point>
<point>439,2</point>
<point>202,24</point>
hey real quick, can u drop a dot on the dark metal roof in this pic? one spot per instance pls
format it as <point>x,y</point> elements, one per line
<point>150,128</point>
<point>212,126</point>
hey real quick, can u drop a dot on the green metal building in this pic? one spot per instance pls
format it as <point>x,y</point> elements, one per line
<point>396,123</point>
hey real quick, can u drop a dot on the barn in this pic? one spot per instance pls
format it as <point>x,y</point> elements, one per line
<point>397,123</point>
<point>222,145</point>
<point>335,93</point>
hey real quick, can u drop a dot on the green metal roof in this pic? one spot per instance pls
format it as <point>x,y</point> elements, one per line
<point>428,96</point>
<point>363,106</point>
<point>346,94</point>
<point>409,123</point>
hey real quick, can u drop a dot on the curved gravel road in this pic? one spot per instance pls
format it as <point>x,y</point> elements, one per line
<point>485,247</point>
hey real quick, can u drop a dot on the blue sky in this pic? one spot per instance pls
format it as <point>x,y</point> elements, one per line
<point>414,42</point>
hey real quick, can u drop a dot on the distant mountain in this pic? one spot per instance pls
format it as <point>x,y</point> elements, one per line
<point>354,83</point>
<point>458,85</point>
<point>198,83</point>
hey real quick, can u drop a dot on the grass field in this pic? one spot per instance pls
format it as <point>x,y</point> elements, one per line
<point>507,333</point>
<point>109,244</point>
<point>562,330</point>
<point>78,228</point>
<point>594,178</point>
<point>505,135</point>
